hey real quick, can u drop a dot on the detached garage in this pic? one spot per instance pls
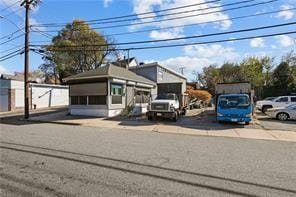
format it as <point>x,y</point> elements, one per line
<point>40,95</point>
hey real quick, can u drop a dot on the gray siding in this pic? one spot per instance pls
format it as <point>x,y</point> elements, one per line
<point>147,72</point>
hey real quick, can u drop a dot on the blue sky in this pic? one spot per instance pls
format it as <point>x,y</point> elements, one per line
<point>193,58</point>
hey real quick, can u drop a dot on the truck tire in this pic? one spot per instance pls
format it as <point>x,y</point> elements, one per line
<point>265,108</point>
<point>175,118</point>
<point>247,123</point>
<point>149,117</point>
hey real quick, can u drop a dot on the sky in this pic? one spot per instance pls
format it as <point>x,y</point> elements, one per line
<point>193,57</point>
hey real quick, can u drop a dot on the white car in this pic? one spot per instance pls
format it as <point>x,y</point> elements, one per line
<point>283,113</point>
<point>281,101</point>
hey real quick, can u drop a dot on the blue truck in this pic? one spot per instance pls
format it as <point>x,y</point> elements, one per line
<point>234,102</point>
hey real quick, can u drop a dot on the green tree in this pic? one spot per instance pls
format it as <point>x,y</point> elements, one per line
<point>209,77</point>
<point>290,58</point>
<point>230,72</point>
<point>256,70</point>
<point>77,48</point>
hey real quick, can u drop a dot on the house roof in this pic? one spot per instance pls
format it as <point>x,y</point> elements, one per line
<point>17,77</point>
<point>124,61</point>
<point>156,64</point>
<point>110,70</point>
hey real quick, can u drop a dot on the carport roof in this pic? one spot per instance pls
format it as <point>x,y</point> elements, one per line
<point>110,70</point>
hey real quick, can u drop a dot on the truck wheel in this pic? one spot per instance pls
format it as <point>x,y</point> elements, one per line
<point>247,123</point>
<point>175,118</point>
<point>150,118</point>
<point>265,108</point>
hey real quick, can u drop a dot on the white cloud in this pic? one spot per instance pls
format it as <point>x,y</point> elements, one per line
<point>33,22</point>
<point>214,51</point>
<point>141,6</point>
<point>257,42</point>
<point>4,70</point>
<point>285,40</point>
<point>286,14</point>
<point>173,33</point>
<point>190,63</point>
<point>107,2</point>
<point>198,56</point>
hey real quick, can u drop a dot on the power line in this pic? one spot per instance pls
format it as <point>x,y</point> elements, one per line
<point>189,25</point>
<point>143,13</point>
<point>12,54</point>
<point>9,6</point>
<point>10,21</point>
<point>1,60</point>
<point>184,38</point>
<point>10,35</point>
<point>12,39</point>
<point>36,30</point>
<point>13,48</point>
<point>184,44</point>
<point>12,12</point>
<point>176,18</point>
<point>158,16</point>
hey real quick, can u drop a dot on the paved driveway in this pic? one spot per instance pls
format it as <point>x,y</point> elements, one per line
<point>274,124</point>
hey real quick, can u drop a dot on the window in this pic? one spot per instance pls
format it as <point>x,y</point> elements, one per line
<point>293,99</point>
<point>78,100</point>
<point>142,96</point>
<point>74,100</point>
<point>282,99</point>
<point>117,93</point>
<point>116,89</point>
<point>238,102</point>
<point>97,100</point>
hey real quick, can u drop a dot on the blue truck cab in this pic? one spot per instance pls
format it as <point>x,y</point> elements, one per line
<point>234,108</point>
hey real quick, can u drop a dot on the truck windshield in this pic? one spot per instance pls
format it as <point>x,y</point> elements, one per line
<point>165,97</point>
<point>226,102</point>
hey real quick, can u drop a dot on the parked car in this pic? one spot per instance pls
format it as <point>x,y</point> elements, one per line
<point>281,101</point>
<point>283,113</point>
<point>269,98</point>
<point>195,104</point>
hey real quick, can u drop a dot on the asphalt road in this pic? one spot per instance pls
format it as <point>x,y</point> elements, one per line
<point>63,160</point>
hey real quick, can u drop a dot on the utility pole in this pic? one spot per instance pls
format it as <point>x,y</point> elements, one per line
<point>26,3</point>
<point>182,70</point>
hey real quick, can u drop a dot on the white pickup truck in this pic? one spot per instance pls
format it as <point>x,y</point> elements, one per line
<point>165,105</point>
<point>281,101</point>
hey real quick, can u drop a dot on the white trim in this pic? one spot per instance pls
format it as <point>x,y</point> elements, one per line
<point>156,64</point>
<point>144,85</point>
<point>49,85</point>
<point>131,83</point>
<point>118,81</point>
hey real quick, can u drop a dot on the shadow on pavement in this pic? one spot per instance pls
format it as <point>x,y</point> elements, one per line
<point>148,172</point>
<point>205,120</point>
<point>276,120</point>
<point>19,119</point>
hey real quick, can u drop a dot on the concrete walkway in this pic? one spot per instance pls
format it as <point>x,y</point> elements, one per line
<point>165,127</point>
